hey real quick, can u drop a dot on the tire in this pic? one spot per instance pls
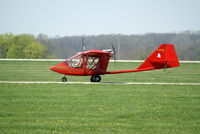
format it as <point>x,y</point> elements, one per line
<point>64,79</point>
<point>95,78</point>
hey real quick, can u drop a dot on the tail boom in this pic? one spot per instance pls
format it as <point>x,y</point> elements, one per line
<point>163,57</point>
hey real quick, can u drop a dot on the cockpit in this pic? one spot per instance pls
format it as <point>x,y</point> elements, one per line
<point>83,61</point>
<point>75,62</point>
<point>92,62</point>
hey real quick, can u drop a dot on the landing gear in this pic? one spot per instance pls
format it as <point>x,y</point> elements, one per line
<point>64,79</point>
<point>95,78</point>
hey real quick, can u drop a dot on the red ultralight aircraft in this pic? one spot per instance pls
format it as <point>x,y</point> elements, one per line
<point>95,62</point>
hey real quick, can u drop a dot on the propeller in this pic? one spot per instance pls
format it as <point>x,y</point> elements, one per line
<point>114,53</point>
<point>83,44</point>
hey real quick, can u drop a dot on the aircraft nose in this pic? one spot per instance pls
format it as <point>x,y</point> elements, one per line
<point>53,68</point>
<point>56,68</point>
<point>59,68</point>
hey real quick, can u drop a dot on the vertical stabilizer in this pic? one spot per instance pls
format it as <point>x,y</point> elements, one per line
<point>163,57</point>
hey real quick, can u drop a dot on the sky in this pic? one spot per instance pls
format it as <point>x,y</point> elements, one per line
<point>94,17</point>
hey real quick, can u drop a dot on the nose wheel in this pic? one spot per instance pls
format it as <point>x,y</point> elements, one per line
<point>95,78</point>
<point>64,79</point>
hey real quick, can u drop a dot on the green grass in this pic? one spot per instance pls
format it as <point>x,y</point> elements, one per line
<point>57,108</point>
<point>39,71</point>
<point>79,108</point>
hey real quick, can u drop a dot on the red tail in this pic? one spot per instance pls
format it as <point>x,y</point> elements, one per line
<point>164,57</point>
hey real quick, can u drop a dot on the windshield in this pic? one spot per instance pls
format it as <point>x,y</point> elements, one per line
<point>75,62</point>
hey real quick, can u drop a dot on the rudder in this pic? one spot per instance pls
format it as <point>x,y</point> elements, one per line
<point>163,57</point>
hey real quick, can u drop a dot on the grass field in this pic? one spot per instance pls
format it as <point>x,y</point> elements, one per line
<point>79,108</point>
<point>39,71</point>
<point>54,108</point>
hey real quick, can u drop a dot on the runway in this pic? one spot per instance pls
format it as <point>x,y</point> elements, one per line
<point>104,83</point>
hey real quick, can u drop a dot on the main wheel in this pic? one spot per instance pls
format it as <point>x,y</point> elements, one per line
<point>95,78</point>
<point>64,79</point>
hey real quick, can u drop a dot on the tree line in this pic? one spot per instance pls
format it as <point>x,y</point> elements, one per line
<point>131,47</point>
<point>21,46</point>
